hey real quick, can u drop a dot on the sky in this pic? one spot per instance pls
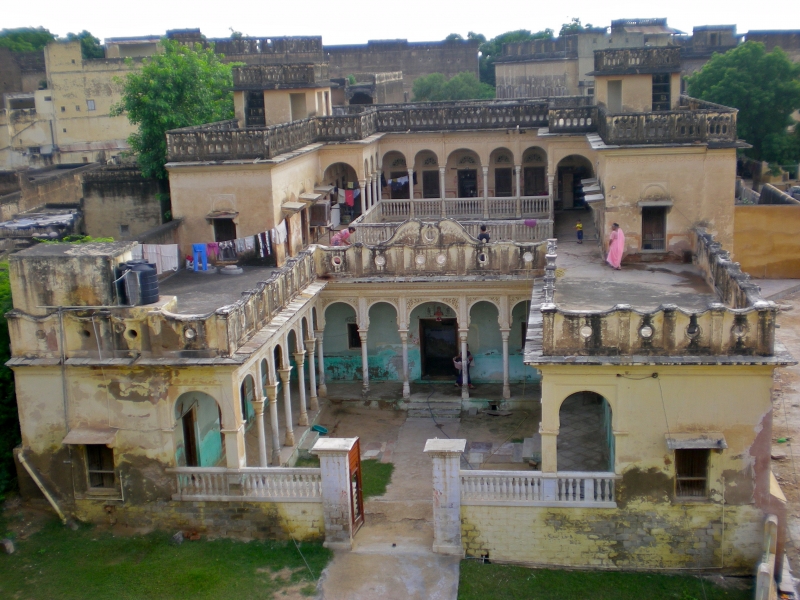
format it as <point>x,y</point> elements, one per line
<point>356,21</point>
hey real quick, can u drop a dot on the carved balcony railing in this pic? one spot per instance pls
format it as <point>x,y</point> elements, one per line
<point>697,122</point>
<point>534,488</point>
<point>639,60</point>
<point>488,209</point>
<point>500,231</point>
<point>261,77</point>
<point>253,484</point>
<point>576,119</point>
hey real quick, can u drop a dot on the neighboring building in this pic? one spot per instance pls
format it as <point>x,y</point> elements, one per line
<point>159,408</point>
<point>703,43</point>
<point>369,88</point>
<point>69,120</point>
<point>787,40</point>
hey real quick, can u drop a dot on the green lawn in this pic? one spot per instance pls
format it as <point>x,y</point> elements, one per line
<point>503,582</point>
<point>58,563</point>
<point>375,475</point>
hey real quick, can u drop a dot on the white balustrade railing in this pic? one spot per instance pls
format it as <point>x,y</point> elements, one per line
<point>534,488</point>
<point>257,484</point>
<point>535,205</point>
<point>470,208</point>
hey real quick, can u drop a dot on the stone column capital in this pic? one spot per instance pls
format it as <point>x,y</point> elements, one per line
<point>485,169</point>
<point>272,392</point>
<point>285,374</point>
<point>310,344</point>
<point>299,356</point>
<point>258,405</point>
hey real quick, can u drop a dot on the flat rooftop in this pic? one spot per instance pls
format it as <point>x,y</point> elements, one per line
<point>586,282</point>
<point>201,294</point>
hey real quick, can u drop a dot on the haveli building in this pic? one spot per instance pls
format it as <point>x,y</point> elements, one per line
<point>151,406</point>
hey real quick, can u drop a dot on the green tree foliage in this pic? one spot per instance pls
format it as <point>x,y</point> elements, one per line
<point>765,87</point>
<point>9,418</point>
<point>181,87</point>
<point>90,45</point>
<point>25,39</point>
<point>491,49</point>
<point>454,37</point>
<point>574,26</point>
<point>464,86</point>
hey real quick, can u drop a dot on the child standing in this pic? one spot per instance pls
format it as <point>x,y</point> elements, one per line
<point>579,231</point>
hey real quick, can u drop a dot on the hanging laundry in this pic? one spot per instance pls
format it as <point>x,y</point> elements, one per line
<point>212,249</point>
<point>169,257</point>
<point>249,244</point>
<point>265,245</point>
<point>239,244</point>
<point>349,198</point>
<point>283,234</point>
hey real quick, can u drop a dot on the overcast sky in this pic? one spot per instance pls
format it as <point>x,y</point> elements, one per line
<point>356,21</point>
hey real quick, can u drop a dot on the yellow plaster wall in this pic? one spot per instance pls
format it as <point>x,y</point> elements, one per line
<point>637,91</point>
<point>765,240</point>
<point>700,183</point>
<point>644,535</point>
<point>546,74</point>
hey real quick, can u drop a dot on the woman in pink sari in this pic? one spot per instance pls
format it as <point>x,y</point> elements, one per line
<point>616,247</point>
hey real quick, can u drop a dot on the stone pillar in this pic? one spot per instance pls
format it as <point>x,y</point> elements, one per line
<point>287,402</point>
<point>446,455</point>
<point>549,462</point>
<point>406,386</point>
<point>380,184</point>
<point>362,333</point>
<point>411,184</point>
<point>272,396</point>
<point>300,361</point>
<point>517,172</point>
<point>236,457</point>
<point>374,189</point>
<point>362,184</point>
<point>485,192</point>
<point>504,333</point>
<point>323,389</point>
<point>313,402</point>
<point>258,405</point>
<point>442,193</point>
<point>337,495</point>
<point>551,199</point>
<point>464,364</point>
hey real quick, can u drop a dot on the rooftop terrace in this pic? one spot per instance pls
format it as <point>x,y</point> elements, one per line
<point>203,293</point>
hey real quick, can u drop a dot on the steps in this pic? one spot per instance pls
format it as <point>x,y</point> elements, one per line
<point>440,410</point>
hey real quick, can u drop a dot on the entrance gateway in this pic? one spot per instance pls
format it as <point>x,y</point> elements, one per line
<point>438,346</point>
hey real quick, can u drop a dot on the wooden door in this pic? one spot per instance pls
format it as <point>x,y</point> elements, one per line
<point>190,439</point>
<point>357,505</point>
<point>654,220</point>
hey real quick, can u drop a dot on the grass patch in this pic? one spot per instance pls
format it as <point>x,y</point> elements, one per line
<point>375,476</point>
<point>61,564</point>
<point>503,582</point>
<point>310,461</point>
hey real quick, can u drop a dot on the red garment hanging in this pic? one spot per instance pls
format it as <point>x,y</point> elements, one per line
<point>348,198</point>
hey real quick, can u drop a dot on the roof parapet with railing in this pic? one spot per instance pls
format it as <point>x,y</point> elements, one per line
<point>264,77</point>
<point>634,61</point>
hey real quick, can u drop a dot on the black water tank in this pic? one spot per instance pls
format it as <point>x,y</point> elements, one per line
<point>148,281</point>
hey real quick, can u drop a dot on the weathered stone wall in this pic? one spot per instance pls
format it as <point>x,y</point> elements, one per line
<point>764,242</point>
<point>62,187</point>
<point>413,59</point>
<point>643,534</point>
<point>119,202</point>
<point>786,40</point>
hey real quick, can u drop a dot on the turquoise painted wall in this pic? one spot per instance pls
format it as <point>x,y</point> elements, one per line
<point>209,438</point>
<point>385,348</point>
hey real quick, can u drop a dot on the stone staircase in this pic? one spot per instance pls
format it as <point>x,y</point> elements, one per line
<point>441,406</point>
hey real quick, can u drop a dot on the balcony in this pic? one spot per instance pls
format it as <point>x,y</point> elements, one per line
<point>265,77</point>
<point>637,61</point>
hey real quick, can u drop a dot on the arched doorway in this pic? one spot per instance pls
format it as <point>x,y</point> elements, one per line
<point>361,98</point>
<point>485,343</point>
<point>466,164</point>
<point>427,163</point>
<point>342,343</point>
<point>570,171</point>
<point>534,172</point>
<point>433,337</point>
<point>383,343</point>
<point>395,175</point>
<point>198,440</point>
<point>585,434</point>
<point>501,182</point>
<point>247,393</point>
<point>344,177</point>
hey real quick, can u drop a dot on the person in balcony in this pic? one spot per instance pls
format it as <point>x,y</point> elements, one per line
<point>483,236</point>
<point>342,237</point>
<point>462,369</point>
<point>616,247</point>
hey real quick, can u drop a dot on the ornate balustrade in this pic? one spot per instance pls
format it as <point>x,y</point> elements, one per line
<point>534,488</point>
<point>574,119</point>
<point>527,207</point>
<point>499,230</point>
<point>260,77</point>
<point>644,60</point>
<point>254,484</point>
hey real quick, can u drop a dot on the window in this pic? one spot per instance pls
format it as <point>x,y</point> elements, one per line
<point>63,109</point>
<point>90,105</point>
<point>430,184</point>
<point>502,182</point>
<point>48,98</point>
<point>691,473</point>
<point>654,227</point>
<point>353,339</point>
<point>124,230</point>
<point>713,40</point>
<point>100,466</point>
<point>661,92</point>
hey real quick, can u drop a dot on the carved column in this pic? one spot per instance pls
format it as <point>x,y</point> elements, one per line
<point>411,184</point>
<point>362,333</point>
<point>323,389</point>
<point>272,396</point>
<point>313,403</point>
<point>287,401</point>
<point>362,184</point>
<point>506,387</point>
<point>300,361</point>
<point>374,195</point>
<point>464,364</point>
<point>485,191</point>
<point>380,183</point>
<point>551,198</point>
<point>442,193</point>
<point>258,405</point>
<point>406,386</point>
<point>517,172</point>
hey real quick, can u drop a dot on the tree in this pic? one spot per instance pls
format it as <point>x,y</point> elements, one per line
<point>765,87</point>
<point>25,39</point>
<point>464,86</point>
<point>574,26</point>
<point>90,45</point>
<point>182,87</point>
<point>454,37</point>
<point>490,50</point>
<point>9,417</point>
